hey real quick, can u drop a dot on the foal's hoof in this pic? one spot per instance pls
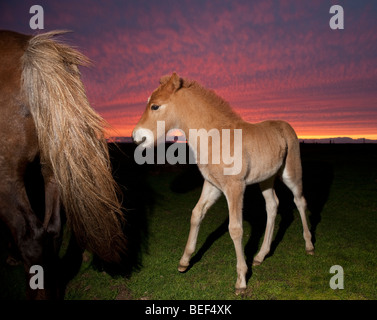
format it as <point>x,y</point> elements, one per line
<point>256,262</point>
<point>240,291</point>
<point>310,252</point>
<point>182,268</point>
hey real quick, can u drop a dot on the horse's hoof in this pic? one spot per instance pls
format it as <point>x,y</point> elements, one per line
<point>310,252</point>
<point>12,261</point>
<point>182,268</point>
<point>240,291</point>
<point>256,263</point>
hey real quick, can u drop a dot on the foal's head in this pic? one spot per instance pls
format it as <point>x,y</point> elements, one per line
<point>161,106</point>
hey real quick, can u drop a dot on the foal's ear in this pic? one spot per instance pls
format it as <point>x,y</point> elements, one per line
<point>174,82</point>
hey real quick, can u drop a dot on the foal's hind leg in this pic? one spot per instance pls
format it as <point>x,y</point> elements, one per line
<point>272,203</point>
<point>208,197</point>
<point>293,180</point>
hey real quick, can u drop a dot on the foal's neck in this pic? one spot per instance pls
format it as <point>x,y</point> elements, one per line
<point>204,109</point>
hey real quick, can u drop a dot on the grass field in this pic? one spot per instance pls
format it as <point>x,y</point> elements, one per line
<point>340,183</point>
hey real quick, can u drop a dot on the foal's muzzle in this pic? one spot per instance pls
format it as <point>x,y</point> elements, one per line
<point>139,141</point>
<point>143,137</point>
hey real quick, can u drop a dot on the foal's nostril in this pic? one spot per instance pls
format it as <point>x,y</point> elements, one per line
<point>139,141</point>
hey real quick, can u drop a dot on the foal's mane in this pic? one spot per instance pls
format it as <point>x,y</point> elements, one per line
<point>216,103</point>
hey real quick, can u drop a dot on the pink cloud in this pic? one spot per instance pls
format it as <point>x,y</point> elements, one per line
<point>268,59</point>
<point>245,65</point>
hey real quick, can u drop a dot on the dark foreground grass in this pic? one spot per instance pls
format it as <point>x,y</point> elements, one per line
<point>340,184</point>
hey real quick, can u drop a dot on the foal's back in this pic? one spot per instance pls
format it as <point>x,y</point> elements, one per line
<point>266,146</point>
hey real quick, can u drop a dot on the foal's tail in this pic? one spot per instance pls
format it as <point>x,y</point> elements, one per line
<point>72,144</point>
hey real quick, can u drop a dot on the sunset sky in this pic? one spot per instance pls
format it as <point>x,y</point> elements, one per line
<point>269,59</point>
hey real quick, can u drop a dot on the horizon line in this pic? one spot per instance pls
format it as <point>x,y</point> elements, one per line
<point>302,138</point>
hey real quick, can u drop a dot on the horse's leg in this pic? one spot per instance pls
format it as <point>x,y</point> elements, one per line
<point>234,194</point>
<point>13,258</point>
<point>30,237</point>
<point>26,229</point>
<point>292,178</point>
<point>295,185</point>
<point>52,219</point>
<point>52,228</point>
<point>208,197</point>
<point>272,203</point>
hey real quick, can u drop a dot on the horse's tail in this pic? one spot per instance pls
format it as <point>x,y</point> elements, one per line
<point>72,144</point>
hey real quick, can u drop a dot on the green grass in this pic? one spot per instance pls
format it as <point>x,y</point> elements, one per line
<point>345,236</point>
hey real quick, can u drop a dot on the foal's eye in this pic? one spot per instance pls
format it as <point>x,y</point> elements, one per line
<point>154,107</point>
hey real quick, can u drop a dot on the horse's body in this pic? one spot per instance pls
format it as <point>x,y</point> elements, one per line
<point>44,114</point>
<point>269,149</point>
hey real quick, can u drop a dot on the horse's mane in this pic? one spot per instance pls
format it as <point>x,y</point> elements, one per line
<point>212,99</point>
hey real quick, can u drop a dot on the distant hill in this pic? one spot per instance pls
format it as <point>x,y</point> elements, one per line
<point>129,139</point>
<point>326,140</point>
<point>120,139</point>
<point>338,140</point>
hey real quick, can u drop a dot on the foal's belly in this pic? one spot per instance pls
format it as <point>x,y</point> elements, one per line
<point>262,172</point>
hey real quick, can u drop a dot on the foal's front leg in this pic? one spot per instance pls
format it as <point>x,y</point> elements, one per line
<point>234,195</point>
<point>208,197</point>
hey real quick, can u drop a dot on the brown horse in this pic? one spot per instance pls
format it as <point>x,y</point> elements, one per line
<point>45,114</point>
<point>262,151</point>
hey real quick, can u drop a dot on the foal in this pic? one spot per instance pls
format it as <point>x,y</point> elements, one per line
<point>269,148</point>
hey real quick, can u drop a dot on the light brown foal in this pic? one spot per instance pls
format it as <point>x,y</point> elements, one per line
<point>264,150</point>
